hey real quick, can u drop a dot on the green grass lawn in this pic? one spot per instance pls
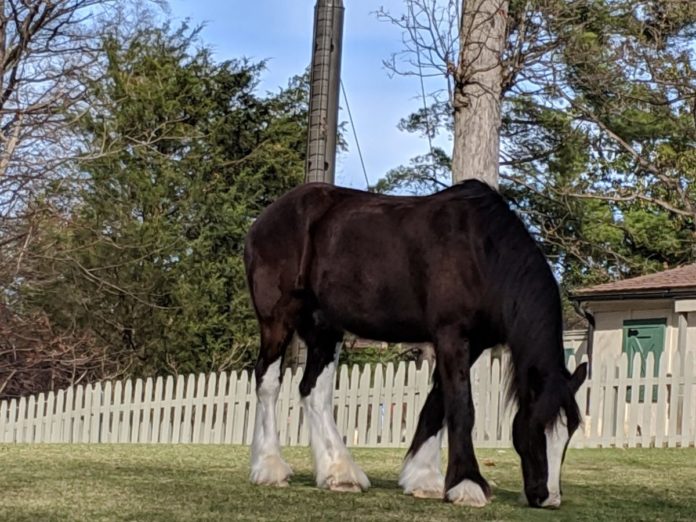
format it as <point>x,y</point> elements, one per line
<point>162,482</point>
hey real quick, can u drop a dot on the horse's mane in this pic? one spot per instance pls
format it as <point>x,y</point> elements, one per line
<point>531,311</point>
<point>550,394</point>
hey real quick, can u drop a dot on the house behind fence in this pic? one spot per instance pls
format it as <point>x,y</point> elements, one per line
<point>376,406</point>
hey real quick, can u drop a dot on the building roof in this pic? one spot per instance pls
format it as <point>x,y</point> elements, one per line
<point>677,282</point>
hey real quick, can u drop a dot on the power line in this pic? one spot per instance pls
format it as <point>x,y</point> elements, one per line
<point>355,134</point>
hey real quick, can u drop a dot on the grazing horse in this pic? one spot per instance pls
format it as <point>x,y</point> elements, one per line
<point>458,269</point>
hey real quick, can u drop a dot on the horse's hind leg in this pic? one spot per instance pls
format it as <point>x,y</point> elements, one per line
<point>267,466</point>
<point>421,475</point>
<point>333,464</point>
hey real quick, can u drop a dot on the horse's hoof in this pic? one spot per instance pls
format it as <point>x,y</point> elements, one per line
<point>425,485</point>
<point>467,493</point>
<point>427,493</point>
<point>343,475</point>
<point>275,483</point>
<point>270,482</point>
<point>421,481</point>
<point>271,471</point>
<point>345,487</point>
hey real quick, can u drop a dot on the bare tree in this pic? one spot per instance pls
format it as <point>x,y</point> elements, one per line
<point>35,357</point>
<point>464,42</point>
<point>44,46</point>
<point>589,106</point>
<point>49,49</point>
<point>478,80</point>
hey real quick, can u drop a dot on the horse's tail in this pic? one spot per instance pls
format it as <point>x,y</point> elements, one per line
<point>315,205</point>
<point>302,279</point>
<point>285,232</point>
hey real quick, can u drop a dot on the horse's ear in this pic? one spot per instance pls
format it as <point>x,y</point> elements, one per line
<point>578,377</point>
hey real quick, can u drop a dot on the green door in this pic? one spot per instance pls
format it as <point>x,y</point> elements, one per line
<point>643,336</point>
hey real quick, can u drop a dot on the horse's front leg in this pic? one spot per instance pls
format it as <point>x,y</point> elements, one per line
<point>463,481</point>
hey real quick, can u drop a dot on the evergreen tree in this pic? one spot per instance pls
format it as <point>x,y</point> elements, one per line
<point>179,156</point>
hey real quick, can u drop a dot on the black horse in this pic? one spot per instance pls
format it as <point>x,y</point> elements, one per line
<point>457,269</point>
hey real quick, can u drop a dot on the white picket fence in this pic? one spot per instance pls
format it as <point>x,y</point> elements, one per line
<point>375,407</point>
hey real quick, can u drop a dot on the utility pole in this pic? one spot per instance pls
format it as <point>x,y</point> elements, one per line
<point>324,88</point>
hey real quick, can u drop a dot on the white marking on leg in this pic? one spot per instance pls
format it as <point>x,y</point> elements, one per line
<point>421,475</point>
<point>333,464</point>
<point>467,493</point>
<point>267,466</point>
<point>557,437</point>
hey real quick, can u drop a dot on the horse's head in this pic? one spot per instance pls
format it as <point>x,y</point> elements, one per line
<point>547,417</point>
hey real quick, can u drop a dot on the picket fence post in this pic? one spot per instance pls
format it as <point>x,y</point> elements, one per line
<point>375,406</point>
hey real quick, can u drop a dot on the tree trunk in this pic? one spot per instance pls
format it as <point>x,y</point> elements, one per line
<point>477,92</point>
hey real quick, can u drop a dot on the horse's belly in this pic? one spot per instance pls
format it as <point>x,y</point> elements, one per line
<point>391,330</point>
<point>368,278</point>
<point>373,308</point>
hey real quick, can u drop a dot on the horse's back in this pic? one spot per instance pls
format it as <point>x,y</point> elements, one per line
<point>312,201</point>
<point>327,219</point>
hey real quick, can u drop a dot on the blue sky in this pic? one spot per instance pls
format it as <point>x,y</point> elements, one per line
<point>281,32</point>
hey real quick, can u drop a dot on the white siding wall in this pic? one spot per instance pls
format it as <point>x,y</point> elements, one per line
<point>691,336</point>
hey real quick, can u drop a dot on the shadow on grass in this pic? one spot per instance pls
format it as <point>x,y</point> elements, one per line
<point>507,496</point>
<point>302,479</point>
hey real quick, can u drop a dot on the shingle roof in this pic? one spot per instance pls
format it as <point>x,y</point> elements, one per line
<point>675,280</point>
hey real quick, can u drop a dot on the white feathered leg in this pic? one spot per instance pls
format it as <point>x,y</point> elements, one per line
<point>421,475</point>
<point>334,467</point>
<point>267,466</point>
